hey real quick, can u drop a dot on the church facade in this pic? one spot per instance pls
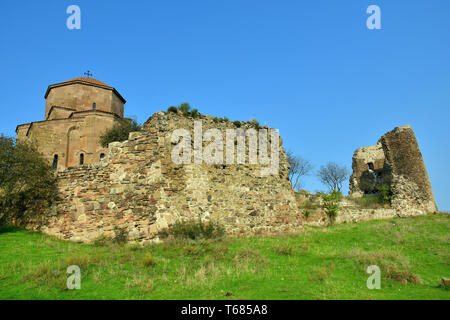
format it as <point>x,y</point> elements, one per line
<point>77,113</point>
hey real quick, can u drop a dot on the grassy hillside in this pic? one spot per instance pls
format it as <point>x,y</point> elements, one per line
<point>328,263</point>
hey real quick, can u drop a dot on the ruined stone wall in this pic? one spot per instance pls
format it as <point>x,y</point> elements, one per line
<point>398,163</point>
<point>361,160</point>
<point>411,185</point>
<point>139,188</point>
<point>350,211</point>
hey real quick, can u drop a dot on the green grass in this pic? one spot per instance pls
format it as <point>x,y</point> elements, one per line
<point>319,263</point>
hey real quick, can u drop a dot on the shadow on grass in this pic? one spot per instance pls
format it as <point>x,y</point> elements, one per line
<point>8,229</point>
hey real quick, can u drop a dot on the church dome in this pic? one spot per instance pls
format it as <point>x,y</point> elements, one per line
<point>86,79</point>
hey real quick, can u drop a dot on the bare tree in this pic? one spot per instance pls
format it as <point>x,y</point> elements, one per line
<point>333,175</point>
<point>299,167</point>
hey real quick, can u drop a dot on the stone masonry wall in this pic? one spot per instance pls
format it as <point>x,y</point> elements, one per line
<point>139,188</point>
<point>411,187</point>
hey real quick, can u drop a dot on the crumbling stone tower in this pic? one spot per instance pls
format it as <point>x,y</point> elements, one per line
<point>396,161</point>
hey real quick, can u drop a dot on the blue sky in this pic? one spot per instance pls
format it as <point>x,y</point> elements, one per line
<point>310,68</point>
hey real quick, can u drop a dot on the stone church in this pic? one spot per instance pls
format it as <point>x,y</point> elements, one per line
<point>77,113</point>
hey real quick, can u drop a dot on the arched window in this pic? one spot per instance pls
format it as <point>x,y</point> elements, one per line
<point>81,159</point>
<point>55,161</point>
<point>102,155</point>
<point>370,166</point>
<point>94,106</point>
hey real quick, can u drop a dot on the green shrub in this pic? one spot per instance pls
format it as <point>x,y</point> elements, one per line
<point>254,123</point>
<point>149,260</point>
<point>194,113</point>
<point>119,131</point>
<point>306,213</point>
<point>367,182</point>
<point>120,235</point>
<point>185,108</point>
<point>194,230</point>
<point>331,204</point>
<point>237,123</point>
<point>172,109</point>
<point>225,119</point>
<point>28,184</point>
<point>385,193</point>
<point>216,120</point>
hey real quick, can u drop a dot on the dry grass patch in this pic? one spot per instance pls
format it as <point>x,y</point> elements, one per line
<point>284,249</point>
<point>393,265</point>
<point>149,260</point>
<point>45,273</point>
<point>320,273</point>
<point>81,259</point>
<point>140,282</point>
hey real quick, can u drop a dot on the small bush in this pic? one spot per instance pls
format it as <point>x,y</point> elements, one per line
<point>331,204</point>
<point>237,123</point>
<point>306,213</point>
<point>367,182</point>
<point>385,193</point>
<point>195,113</point>
<point>149,260</point>
<point>225,119</point>
<point>119,132</point>
<point>194,230</point>
<point>216,120</point>
<point>254,123</point>
<point>120,235</point>
<point>172,109</point>
<point>185,108</point>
